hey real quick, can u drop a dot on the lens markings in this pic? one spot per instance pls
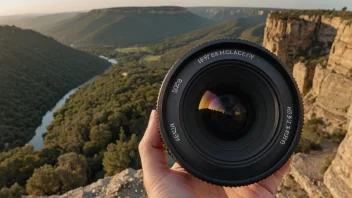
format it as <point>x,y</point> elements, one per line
<point>288,125</point>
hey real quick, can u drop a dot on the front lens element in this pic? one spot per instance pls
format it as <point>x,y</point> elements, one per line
<point>223,114</point>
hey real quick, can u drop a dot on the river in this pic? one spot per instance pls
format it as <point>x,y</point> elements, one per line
<point>37,141</point>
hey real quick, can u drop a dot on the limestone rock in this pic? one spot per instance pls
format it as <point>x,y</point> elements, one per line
<point>304,77</point>
<point>289,188</point>
<point>305,169</point>
<point>310,35</point>
<point>340,59</point>
<point>319,75</point>
<point>128,183</point>
<point>333,98</point>
<point>338,178</point>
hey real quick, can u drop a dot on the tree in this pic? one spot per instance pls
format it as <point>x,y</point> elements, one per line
<point>100,135</point>
<point>70,173</point>
<point>17,191</point>
<point>19,166</point>
<point>70,179</point>
<point>344,9</point>
<point>73,162</point>
<point>44,181</point>
<point>90,148</point>
<point>5,192</point>
<point>121,155</point>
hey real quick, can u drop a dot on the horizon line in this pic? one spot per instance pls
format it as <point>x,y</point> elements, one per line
<point>88,10</point>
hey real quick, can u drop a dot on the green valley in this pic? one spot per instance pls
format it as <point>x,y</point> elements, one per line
<point>100,125</point>
<point>249,28</point>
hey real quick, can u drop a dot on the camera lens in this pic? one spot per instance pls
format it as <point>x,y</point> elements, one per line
<point>230,113</point>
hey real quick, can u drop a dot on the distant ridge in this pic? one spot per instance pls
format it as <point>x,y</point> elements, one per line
<point>40,22</point>
<point>127,26</point>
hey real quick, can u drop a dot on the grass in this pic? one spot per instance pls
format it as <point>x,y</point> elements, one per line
<point>133,50</point>
<point>150,58</point>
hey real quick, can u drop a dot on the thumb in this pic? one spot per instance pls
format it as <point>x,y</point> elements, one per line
<point>153,157</point>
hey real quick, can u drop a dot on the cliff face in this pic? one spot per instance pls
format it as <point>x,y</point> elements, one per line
<point>340,59</point>
<point>329,85</point>
<point>338,178</point>
<point>308,36</point>
<point>326,84</point>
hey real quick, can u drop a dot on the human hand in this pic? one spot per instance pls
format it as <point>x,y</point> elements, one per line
<point>161,181</point>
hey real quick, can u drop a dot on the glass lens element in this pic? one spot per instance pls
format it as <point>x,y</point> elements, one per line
<point>223,114</point>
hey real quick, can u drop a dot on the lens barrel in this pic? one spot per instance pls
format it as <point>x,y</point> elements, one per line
<point>230,113</point>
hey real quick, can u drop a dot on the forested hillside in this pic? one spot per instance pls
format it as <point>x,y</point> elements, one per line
<point>35,72</point>
<point>127,26</point>
<point>247,28</point>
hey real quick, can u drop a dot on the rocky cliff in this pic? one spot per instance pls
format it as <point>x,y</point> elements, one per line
<point>306,36</point>
<point>338,178</point>
<point>317,47</point>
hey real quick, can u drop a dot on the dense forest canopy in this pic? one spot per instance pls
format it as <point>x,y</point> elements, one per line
<point>35,72</point>
<point>127,26</point>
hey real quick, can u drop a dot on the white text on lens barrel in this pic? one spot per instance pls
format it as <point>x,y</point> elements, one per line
<point>288,125</point>
<point>223,53</point>
<point>174,132</point>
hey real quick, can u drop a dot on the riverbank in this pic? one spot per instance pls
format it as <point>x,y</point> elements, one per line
<point>37,141</point>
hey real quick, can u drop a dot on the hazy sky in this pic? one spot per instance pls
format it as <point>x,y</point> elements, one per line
<point>12,7</point>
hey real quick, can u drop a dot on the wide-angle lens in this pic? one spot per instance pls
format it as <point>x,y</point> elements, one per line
<point>230,112</point>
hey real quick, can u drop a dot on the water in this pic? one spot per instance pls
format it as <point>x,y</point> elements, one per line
<point>37,141</point>
<point>111,60</point>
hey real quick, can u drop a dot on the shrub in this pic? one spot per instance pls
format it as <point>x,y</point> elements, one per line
<point>311,136</point>
<point>337,136</point>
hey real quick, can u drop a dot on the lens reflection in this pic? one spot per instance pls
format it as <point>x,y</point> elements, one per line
<point>223,114</point>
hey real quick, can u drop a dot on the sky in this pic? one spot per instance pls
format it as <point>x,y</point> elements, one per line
<point>14,7</point>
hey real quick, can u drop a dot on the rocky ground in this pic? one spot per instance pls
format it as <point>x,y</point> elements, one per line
<point>306,176</point>
<point>127,184</point>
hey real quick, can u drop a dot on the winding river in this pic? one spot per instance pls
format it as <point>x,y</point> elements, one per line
<point>37,141</point>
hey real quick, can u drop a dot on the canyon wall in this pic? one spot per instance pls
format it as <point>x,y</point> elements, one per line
<point>307,36</point>
<point>302,45</point>
<point>318,50</point>
<point>338,178</point>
